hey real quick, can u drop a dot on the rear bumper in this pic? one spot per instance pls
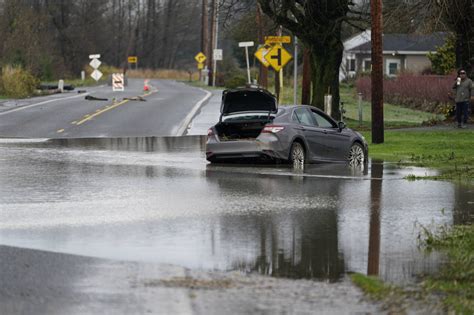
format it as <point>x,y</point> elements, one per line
<point>242,150</point>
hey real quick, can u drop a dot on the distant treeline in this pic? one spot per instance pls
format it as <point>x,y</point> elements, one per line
<point>52,38</point>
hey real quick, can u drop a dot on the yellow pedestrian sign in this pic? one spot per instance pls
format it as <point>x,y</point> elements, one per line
<point>278,57</point>
<point>261,53</point>
<point>200,58</point>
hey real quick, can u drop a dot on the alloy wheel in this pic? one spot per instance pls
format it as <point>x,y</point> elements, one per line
<point>297,155</point>
<point>356,155</point>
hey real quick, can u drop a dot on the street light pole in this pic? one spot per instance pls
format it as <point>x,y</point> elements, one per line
<point>377,72</point>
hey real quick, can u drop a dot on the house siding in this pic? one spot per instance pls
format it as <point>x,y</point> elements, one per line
<point>417,64</point>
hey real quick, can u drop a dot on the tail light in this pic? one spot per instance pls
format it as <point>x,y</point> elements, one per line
<point>210,132</point>
<point>272,129</point>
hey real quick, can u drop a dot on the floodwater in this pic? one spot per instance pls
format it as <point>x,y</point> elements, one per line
<point>158,200</point>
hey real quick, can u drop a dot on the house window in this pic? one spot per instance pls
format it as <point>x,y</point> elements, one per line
<point>367,65</point>
<point>351,65</point>
<point>393,67</point>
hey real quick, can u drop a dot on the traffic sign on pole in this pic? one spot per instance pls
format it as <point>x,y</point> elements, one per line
<point>277,40</point>
<point>261,53</point>
<point>96,75</point>
<point>200,57</point>
<point>132,59</point>
<point>278,57</point>
<point>96,56</point>
<point>95,63</point>
<point>218,54</point>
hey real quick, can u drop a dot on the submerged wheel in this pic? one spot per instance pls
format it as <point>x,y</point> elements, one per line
<point>356,155</point>
<point>297,155</point>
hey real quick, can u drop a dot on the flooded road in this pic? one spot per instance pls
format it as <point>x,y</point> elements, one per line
<point>157,200</point>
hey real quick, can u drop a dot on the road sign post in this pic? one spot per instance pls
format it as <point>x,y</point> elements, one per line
<point>133,60</point>
<point>278,57</point>
<point>247,45</point>
<point>95,64</point>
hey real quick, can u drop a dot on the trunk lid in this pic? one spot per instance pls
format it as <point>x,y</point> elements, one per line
<point>248,100</point>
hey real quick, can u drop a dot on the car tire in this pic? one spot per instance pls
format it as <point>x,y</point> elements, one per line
<point>357,155</point>
<point>297,155</point>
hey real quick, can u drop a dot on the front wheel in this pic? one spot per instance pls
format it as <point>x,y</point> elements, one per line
<point>297,155</point>
<point>356,155</point>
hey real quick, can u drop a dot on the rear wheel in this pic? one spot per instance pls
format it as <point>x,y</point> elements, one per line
<point>297,155</point>
<point>356,155</point>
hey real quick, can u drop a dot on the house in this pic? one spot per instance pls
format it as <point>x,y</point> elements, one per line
<point>348,68</point>
<point>401,52</point>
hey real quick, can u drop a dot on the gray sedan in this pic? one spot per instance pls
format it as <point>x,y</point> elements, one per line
<point>253,127</point>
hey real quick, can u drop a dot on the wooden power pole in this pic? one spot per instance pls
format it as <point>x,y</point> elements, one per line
<point>213,40</point>
<point>205,29</point>
<point>263,71</point>
<point>204,32</point>
<point>377,72</point>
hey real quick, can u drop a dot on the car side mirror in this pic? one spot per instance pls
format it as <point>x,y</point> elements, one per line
<point>341,125</point>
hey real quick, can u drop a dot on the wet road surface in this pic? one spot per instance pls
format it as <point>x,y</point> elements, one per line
<point>163,111</point>
<point>156,200</point>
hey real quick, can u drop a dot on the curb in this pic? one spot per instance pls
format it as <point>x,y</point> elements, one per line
<point>187,121</point>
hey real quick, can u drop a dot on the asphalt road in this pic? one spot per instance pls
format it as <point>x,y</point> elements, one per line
<point>165,111</point>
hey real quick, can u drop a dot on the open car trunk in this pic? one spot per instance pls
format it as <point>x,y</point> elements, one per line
<point>244,113</point>
<point>244,130</point>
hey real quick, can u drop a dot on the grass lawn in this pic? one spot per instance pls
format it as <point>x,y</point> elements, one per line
<point>455,281</point>
<point>451,151</point>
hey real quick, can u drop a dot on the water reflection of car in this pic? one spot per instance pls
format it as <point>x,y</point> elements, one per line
<point>252,126</point>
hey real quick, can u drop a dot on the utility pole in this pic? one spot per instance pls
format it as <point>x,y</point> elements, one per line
<point>204,31</point>
<point>263,71</point>
<point>213,40</point>
<point>377,72</point>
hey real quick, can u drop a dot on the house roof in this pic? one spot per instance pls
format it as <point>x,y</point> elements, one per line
<point>409,43</point>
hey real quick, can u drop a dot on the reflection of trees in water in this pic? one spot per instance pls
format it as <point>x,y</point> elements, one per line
<point>296,243</point>
<point>312,252</point>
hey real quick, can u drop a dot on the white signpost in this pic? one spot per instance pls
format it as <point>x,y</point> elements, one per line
<point>247,45</point>
<point>95,64</point>
<point>218,55</point>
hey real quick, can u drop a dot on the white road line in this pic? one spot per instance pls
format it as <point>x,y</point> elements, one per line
<point>184,125</point>
<point>42,103</point>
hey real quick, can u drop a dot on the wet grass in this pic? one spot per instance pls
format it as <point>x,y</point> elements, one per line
<point>455,281</point>
<point>450,151</point>
<point>373,286</point>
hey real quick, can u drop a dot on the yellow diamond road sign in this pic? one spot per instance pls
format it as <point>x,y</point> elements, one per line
<point>200,58</point>
<point>261,53</point>
<point>278,57</point>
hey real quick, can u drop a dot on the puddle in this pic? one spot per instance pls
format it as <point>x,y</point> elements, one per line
<point>158,200</point>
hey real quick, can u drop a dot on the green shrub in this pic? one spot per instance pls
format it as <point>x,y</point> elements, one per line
<point>443,62</point>
<point>17,82</point>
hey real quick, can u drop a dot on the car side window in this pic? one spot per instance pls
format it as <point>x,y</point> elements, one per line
<point>322,121</point>
<point>303,116</point>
